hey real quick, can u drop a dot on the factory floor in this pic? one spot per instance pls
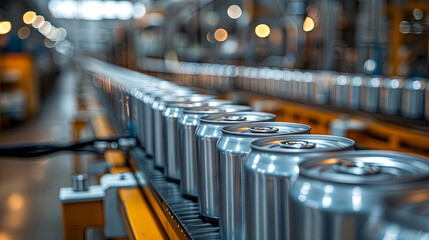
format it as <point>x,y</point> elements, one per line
<point>29,205</point>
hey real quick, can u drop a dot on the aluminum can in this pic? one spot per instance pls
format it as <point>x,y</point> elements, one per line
<point>335,195</point>
<point>354,92</point>
<point>404,217</point>
<point>371,94</point>
<point>234,147</point>
<point>171,115</point>
<point>391,96</point>
<point>320,87</point>
<point>208,133</point>
<point>188,144</point>
<point>339,90</point>
<point>158,107</point>
<point>148,99</point>
<point>270,170</point>
<point>413,98</point>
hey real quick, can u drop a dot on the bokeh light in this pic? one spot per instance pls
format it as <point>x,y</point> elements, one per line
<point>308,24</point>
<point>220,35</point>
<point>24,33</point>
<point>262,30</point>
<point>38,21</point>
<point>5,27</point>
<point>29,17</point>
<point>234,11</point>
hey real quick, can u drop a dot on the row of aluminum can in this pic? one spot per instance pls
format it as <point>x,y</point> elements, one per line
<point>262,179</point>
<point>395,96</point>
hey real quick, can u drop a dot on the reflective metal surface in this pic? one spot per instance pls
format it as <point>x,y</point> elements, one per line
<point>371,94</point>
<point>233,147</point>
<point>391,96</point>
<point>334,195</point>
<point>270,169</point>
<point>208,133</point>
<point>404,217</point>
<point>413,98</point>
<point>188,143</point>
<point>171,115</point>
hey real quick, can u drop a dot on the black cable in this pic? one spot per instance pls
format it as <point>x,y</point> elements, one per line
<point>36,150</point>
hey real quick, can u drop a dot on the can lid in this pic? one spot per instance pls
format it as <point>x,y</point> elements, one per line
<point>302,144</point>
<point>366,167</point>
<point>218,109</point>
<point>235,108</point>
<point>201,97</point>
<point>266,129</point>
<point>184,104</point>
<point>238,117</point>
<point>219,102</point>
<point>203,110</point>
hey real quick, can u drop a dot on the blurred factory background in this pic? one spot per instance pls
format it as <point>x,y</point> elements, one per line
<point>352,68</point>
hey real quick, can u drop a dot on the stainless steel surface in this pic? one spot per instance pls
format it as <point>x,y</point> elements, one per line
<point>391,96</point>
<point>171,116</point>
<point>188,143</point>
<point>413,98</point>
<point>207,135</point>
<point>270,169</point>
<point>371,94</point>
<point>233,148</point>
<point>335,195</point>
<point>404,217</point>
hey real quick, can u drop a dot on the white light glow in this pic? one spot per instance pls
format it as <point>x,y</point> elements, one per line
<point>95,9</point>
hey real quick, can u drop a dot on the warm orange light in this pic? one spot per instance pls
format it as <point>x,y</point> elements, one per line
<point>5,27</point>
<point>29,17</point>
<point>262,30</point>
<point>4,236</point>
<point>308,24</point>
<point>220,35</point>
<point>24,33</point>
<point>15,201</point>
<point>209,37</point>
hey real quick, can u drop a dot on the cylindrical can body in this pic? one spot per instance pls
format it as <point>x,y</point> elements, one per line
<point>171,116</point>
<point>158,107</point>
<point>233,147</point>
<point>391,96</point>
<point>188,144</point>
<point>371,94</point>
<point>354,93</point>
<point>335,195</point>
<point>405,217</point>
<point>413,99</point>
<point>208,133</point>
<point>270,170</point>
<point>339,90</point>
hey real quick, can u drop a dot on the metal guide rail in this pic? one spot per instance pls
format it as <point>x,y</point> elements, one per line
<point>175,212</point>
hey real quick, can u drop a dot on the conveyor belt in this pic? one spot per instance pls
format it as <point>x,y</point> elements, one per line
<point>174,211</point>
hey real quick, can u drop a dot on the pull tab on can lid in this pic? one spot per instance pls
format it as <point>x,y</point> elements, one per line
<point>360,168</point>
<point>234,118</point>
<point>263,129</point>
<point>297,144</point>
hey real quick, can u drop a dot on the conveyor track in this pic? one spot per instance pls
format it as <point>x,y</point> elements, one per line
<point>182,214</point>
